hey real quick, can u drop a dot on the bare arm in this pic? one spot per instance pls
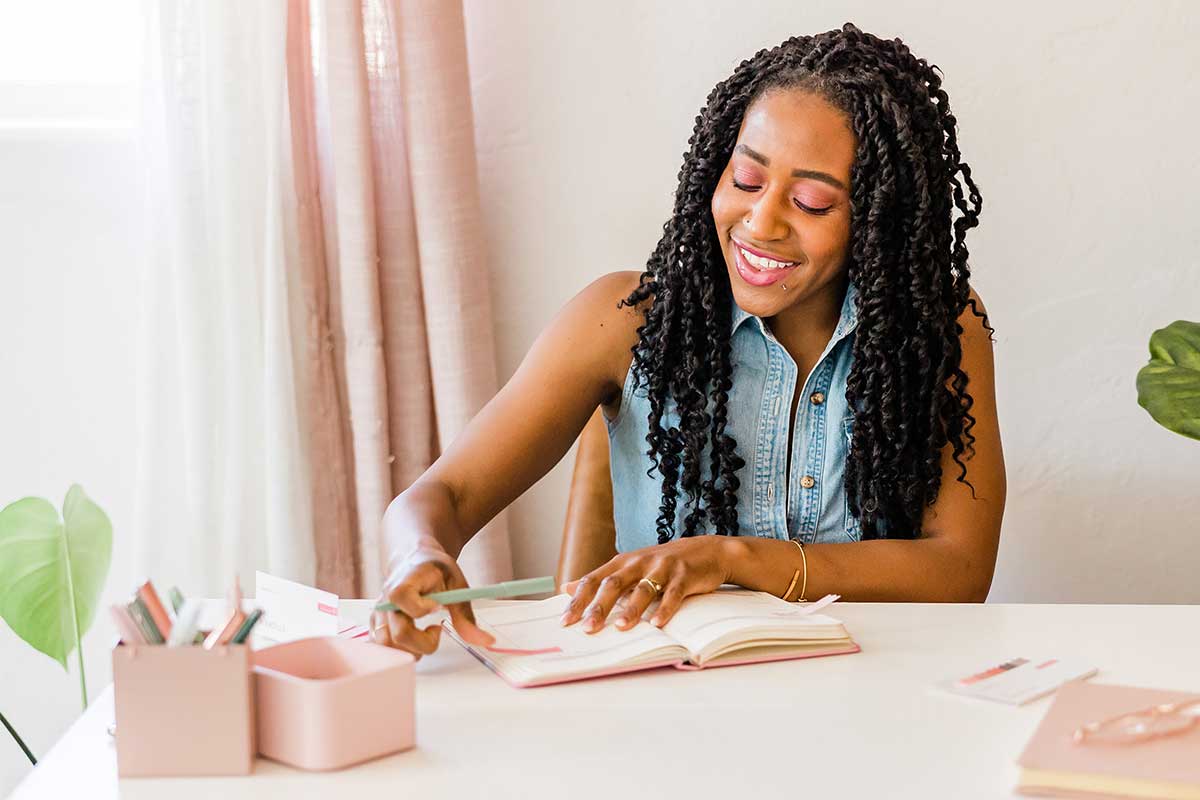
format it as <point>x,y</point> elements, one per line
<point>589,532</point>
<point>529,425</point>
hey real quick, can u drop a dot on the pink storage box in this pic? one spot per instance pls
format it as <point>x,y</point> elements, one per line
<point>325,703</point>
<point>183,710</point>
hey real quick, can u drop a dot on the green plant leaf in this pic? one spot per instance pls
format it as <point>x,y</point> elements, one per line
<point>1169,386</point>
<point>52,570</point>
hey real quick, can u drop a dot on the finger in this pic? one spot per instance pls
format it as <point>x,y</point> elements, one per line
<point>634,602</point>
<point>584,591</point>
<point>673,597</point>
<point>611,587</point>
<point>461,614</point>
<point>464,623</point>
<point>409,594</point>
<point>408,636</point>
<point>379,629</point>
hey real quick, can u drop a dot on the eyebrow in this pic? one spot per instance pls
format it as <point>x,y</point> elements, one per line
<point>824,177</point>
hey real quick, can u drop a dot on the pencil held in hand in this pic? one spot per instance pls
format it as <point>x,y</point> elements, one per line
<point>505,589</point>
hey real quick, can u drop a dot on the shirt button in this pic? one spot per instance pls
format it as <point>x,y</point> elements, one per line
<point>808,481</point>
<point>817,398</point>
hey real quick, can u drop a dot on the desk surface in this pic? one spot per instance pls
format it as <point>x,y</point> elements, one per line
<point>864,725</point>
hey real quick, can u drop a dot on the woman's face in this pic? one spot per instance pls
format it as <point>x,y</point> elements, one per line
<point>785,194</point>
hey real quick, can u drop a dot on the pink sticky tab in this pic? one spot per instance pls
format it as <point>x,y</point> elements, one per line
<point>325,608</point>
<point>513,651</point>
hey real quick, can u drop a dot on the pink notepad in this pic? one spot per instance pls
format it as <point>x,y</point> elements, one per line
<point>1053,765</point>
<point>723,628</point>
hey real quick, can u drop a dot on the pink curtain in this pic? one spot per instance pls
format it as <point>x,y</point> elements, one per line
<point>394,302</point>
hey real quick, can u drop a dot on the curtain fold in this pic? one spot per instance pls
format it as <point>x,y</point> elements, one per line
<point>222,482</point>
<point>317,315</point>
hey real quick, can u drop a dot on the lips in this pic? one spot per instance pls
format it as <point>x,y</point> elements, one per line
<point>758,277</point>
<point>761,253</point>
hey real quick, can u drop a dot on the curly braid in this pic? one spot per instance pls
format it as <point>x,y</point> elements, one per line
<point>906,388</point>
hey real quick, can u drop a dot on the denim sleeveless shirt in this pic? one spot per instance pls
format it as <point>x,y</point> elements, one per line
<point>808,503</point>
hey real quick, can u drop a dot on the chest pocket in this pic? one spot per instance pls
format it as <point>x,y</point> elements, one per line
<point>852,524</point>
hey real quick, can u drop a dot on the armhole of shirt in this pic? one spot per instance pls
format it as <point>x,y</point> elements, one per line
<point>626,395</point>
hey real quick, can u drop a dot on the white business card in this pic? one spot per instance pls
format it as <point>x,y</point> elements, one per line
<point>291,611</point>
<point>1019,680</point>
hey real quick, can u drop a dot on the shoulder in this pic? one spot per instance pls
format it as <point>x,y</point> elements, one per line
<point>599,306</point>
<point>973,316</point>
<point>976,340</point>
<point>609,289</point>
<point>597,323</point>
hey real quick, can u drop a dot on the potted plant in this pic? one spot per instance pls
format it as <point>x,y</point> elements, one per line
<point>52,570</point>
<point>1169,386</point>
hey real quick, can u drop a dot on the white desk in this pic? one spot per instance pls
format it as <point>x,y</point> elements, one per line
<point>863,725</point>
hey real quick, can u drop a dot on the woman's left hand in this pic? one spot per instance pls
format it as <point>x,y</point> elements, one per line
<point>682,567</point>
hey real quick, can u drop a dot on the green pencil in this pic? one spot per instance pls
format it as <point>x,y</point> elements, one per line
<point>505,589</point>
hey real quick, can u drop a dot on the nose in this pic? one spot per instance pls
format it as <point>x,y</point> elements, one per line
<point>763,221</point>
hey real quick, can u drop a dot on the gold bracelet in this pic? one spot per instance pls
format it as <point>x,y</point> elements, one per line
<point>791,585</point>
<point>804,558</point>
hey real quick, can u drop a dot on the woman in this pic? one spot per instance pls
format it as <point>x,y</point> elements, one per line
<point>812,260</point>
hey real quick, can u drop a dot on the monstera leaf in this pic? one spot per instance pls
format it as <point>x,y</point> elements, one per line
<point>52,571</point>
<point>1169,386</point>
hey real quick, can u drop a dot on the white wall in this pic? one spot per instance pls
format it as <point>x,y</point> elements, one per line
<point>1078,120</point>
<point>70,249</point>
<point>1079,130</point>
<point>69,233</point>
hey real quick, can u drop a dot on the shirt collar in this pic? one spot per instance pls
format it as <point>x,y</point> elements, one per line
<point>847,320</point>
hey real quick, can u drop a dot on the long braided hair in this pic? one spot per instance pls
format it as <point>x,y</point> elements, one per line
<point>906,388</point>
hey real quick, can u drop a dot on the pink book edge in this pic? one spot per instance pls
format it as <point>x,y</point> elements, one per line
<point>680,664</point>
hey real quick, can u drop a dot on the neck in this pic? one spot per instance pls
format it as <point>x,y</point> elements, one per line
<point>806,327</point>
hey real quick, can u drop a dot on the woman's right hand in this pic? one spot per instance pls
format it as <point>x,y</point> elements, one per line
<point>429,569</point>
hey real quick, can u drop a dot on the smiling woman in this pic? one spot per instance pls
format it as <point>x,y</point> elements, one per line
<point>803,354</point>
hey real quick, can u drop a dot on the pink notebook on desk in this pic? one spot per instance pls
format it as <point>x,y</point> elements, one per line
<point>1053,765</point>
<point>722,628</point>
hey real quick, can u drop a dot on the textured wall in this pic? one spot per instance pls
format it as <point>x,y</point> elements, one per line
<point>1080,131</point>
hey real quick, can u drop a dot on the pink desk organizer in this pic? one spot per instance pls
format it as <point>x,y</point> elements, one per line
<point>326,703</point>
<point>183,710</point>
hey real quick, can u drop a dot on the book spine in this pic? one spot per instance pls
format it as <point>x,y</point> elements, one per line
<point>142,618</point>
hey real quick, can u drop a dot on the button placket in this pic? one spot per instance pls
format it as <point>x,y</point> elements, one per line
<point>764,511</point>
<point>815,461</point>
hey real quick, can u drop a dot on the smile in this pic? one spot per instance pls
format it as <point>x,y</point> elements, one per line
<point>758,271</point>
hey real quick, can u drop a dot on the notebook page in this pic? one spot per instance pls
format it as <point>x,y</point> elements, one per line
<point>531,642</point>
<point>733,614</point>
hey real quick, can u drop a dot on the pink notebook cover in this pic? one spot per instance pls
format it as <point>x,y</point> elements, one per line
<point>1171,759</point>
<point>677,663</point>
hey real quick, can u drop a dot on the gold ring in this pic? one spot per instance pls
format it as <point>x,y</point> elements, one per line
<point>653,584</point>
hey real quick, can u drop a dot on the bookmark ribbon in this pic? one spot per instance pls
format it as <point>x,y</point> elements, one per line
<point>811,608</point>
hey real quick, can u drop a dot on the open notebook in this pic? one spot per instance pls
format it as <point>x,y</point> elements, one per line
<point>721,628</point>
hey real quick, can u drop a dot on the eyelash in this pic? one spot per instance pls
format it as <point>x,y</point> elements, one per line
<point>816,212</point>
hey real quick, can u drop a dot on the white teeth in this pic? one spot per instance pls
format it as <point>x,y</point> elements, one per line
<point>765,263</point>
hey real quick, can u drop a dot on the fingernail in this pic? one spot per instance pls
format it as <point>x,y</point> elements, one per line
<point>622,620</point>
<point>656,621</point>
<point>564,619</point>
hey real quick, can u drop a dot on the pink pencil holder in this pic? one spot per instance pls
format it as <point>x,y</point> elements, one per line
<point>325,703</point>
<point>183,710</point>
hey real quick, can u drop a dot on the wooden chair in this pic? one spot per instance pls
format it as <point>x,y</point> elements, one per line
<point>589,534</point>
